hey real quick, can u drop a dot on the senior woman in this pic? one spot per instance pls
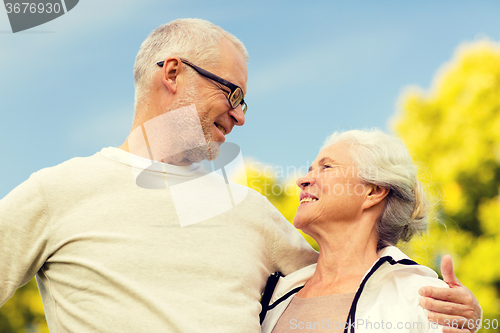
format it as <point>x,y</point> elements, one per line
<point>360,198</point>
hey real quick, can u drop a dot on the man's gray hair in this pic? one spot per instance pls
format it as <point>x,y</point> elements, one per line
<point>194,39</point>
<point>384,160</point>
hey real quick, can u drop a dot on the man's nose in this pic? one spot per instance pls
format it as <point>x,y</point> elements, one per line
<point>238,116</point>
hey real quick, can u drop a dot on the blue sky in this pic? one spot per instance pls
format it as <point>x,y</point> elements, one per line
<point>66,87</point>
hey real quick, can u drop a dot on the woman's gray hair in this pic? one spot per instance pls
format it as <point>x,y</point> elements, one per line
<point>384,160</point>
<point>194,39</point>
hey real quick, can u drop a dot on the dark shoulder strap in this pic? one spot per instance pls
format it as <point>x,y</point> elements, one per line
<point>272,281</point>
<point>351,318</point>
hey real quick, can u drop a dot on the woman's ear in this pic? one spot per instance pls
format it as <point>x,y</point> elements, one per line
<point>171,69</point>
<point>374,195</point>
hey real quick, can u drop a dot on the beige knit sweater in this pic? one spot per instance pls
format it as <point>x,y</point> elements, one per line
<point>111,256</point>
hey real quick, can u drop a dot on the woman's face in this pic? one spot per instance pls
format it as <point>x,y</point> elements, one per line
<point>331,191</point>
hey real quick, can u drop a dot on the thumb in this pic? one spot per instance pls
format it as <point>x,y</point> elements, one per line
<point>447,271</point>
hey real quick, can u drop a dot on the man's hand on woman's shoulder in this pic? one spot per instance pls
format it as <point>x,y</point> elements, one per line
<point>456,307</point>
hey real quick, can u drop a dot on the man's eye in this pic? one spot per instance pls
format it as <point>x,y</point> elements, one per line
<point>225,89</point>
<point>325,166</point>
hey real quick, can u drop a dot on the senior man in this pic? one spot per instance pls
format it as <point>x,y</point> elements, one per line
<point>142,238</point>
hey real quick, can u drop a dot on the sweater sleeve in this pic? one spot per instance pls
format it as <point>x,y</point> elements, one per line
<point>290,250</point>
<point>23,236</point>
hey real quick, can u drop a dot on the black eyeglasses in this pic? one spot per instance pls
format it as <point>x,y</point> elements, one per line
<point>235,96</point>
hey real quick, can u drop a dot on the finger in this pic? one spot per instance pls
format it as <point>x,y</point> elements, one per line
<point>447,271</point>
<point>458,295</point>
<point>447,320</point>
<point>446,310</point>
<point>453,324</point>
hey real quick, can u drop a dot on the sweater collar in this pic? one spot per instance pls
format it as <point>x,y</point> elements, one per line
<point>137,162</point>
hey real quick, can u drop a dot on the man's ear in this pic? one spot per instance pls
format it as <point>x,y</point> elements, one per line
<point>171,69</point>
<point>374,195</point>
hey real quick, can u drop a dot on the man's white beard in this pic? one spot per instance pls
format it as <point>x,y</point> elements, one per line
<point>190,147</point>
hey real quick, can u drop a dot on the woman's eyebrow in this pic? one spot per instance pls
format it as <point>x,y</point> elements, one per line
<point>323,161</point>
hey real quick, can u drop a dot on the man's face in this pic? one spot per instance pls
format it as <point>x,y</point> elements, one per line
<point>216,115</point>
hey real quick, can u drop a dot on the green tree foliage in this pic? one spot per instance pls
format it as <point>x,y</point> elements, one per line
<point>454,130</point>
